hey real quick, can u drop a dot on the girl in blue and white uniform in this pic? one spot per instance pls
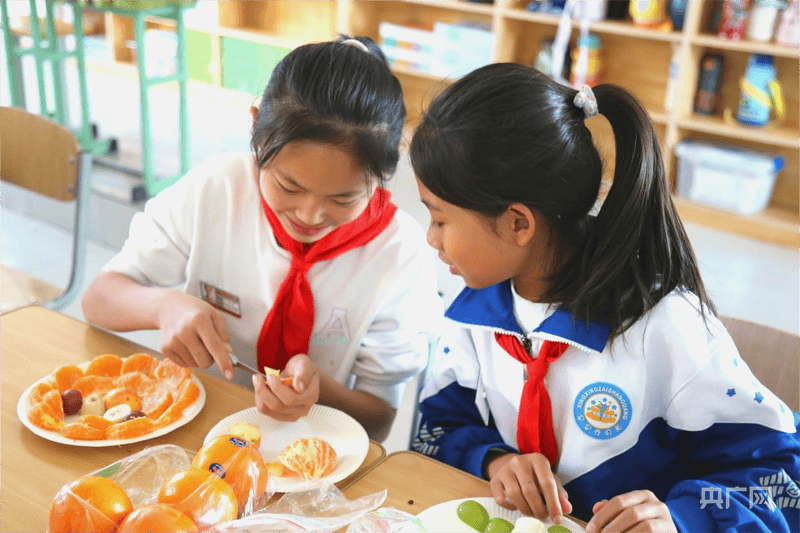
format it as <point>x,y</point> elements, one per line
<point>583,370</point>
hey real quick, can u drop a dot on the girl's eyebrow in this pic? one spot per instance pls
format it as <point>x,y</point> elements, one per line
<point>287,178</point>
<point>430,207</point>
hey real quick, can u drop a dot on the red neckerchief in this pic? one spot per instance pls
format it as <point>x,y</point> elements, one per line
<point>535,418</point>
<point>287,328</point>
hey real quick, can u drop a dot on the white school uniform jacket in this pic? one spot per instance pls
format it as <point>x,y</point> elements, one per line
<point>669,406</point>
<point>373,305</point>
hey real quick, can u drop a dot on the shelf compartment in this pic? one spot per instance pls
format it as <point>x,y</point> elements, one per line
<point>279,23</point>
<point>751,47</point>
<point>456,5</point>
<point>780,136</point>
<point>774,224</point>
<point>608,27</point>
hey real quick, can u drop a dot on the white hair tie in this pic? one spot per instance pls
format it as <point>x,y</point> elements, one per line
<point>358,44</point>
<point>586,100</point>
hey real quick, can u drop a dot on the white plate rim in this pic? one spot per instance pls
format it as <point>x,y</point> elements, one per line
<point>23,407</point>
<point>317,411</point>
<point>487,502</point>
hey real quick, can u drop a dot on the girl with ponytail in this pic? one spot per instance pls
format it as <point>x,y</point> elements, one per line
<point>583,369</point>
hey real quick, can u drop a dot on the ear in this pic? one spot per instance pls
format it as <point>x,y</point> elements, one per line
<point>253,114</point>
<point>520,223</point>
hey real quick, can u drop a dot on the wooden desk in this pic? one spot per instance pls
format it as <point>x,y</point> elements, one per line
<point>415,482</point>
<point>20,289</point>
<point>34,341</point>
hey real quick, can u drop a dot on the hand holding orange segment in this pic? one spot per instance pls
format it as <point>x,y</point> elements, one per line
<point>272,371</point>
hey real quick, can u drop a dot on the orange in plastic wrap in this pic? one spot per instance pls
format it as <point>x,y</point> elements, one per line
<point>105,365</point>
<point>139,362</point>
<point>156,403</point>
<point>90,384</point>
<point>120,396</point>
<point>157,518</point>
<point>171,373</point>
<point>236,461</point>
<point>136,427</point>
<point>89,504</point>
<point>138,382</point>
<point>66,375</point>
<point>48,413</point>
<point>311,457</point>
<point>200,495</point>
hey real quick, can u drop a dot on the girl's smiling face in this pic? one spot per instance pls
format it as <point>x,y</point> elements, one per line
<point>467,242</point>
<point>313,188</point>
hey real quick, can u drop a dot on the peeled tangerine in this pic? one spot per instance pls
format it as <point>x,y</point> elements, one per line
<point>311,457</point>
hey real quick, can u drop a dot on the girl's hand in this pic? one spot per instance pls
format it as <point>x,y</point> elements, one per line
<point>284,402</point>
<point>193,333</point>
<point>526,482</point>
<point>639,510</point>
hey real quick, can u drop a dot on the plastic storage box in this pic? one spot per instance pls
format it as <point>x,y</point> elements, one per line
<point>726,177</point>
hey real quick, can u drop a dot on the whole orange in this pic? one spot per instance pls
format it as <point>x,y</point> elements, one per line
<point>200,495</point>
<point>91,503</point>
<point>236,461</point>
<point>157,517</point>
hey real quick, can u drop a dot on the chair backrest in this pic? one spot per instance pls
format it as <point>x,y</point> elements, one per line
<point>38,154</point>
<point>773,356</point>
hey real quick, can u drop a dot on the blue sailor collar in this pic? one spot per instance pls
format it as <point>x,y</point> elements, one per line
<point>493,307</point>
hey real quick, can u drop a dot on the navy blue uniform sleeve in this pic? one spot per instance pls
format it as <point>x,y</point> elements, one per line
<point>751,483</point>
<point>452,430</point>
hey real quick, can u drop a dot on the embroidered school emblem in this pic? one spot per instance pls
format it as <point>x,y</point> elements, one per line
<point>602,410</point>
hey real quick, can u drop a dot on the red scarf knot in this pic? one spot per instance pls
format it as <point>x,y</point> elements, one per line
<point>289,323</point>
<point>535,418</point>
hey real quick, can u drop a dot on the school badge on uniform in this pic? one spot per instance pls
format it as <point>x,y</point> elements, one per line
<point>602,410</point>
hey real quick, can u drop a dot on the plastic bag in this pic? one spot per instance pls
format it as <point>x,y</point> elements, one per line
<point>143,475</point>
<point>386,520</point>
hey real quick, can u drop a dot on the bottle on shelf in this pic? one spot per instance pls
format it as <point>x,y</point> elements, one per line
<point>733,19</point>
<point>677,13</point>
<point>761,92</point>
<point>708,83</point>
<point>544,60</point>
<point>788,33</point>
<point>763,16</point>
<point>650,14</point>
<point>586,61</point>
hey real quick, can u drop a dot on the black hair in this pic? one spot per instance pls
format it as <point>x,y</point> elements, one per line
<point>336,94</point>
<point>507,133</point>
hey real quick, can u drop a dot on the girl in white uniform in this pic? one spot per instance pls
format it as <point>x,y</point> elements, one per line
<point>583,369</point>
<point>292,256</point>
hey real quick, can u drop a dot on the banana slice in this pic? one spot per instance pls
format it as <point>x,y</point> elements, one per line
<point>118,413</point>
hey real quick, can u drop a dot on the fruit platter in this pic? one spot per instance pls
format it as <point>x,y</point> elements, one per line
<point>111,400</point>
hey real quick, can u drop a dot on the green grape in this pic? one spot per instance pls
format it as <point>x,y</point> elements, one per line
<point>499,524</point>
<point>473,514</point>
<point>558,529</point>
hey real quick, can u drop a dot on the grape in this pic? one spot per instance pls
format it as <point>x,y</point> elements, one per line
<point>134,414</point>
<point>473,514</point>
<point>72,400</point>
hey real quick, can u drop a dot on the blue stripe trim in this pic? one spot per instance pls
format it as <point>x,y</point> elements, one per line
<point>494,307</point>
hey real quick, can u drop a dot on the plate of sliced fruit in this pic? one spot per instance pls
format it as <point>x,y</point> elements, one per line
<point>483,514</point>
<point>111,400</point>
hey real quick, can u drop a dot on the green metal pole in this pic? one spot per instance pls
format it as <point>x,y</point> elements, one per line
<point>144,91</point>
<point>37,56</point>
<point>55,65</point>
<point>12,67</point>
<point>85,130</point>
<point>183,83</point>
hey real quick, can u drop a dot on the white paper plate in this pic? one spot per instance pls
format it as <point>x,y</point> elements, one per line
<point>340,430</point>
<point>443,516</point>
<point>23,406</point>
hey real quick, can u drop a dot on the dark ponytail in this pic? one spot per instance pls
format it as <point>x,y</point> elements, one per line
<point>636,251</point>
<point>507,133</point>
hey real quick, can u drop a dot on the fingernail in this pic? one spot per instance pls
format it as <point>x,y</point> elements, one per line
<point>229,374</point>
<point>590,528</point>
<point>255,381</point>
<point>557,519</point>
<point>300,386</point>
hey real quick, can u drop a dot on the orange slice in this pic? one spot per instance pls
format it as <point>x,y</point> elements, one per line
<point>94,421</point>
<point>89,384</point>
<point>38,391</point>
<point>66,375</point>
<point>139,362</point>
<point>49,412</point>
<point>189,392</point>
<point>171,373</point>
<point>135,427</point>
<point>172,414</point>
<point>105,365</point>
<point>137,382</point>
<point>77,431</point>
<point>156,403</point>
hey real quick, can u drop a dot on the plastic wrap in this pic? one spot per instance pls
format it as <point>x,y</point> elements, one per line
<point>144,475</point>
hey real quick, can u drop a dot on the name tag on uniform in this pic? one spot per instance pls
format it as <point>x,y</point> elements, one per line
<point>222,300</point>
